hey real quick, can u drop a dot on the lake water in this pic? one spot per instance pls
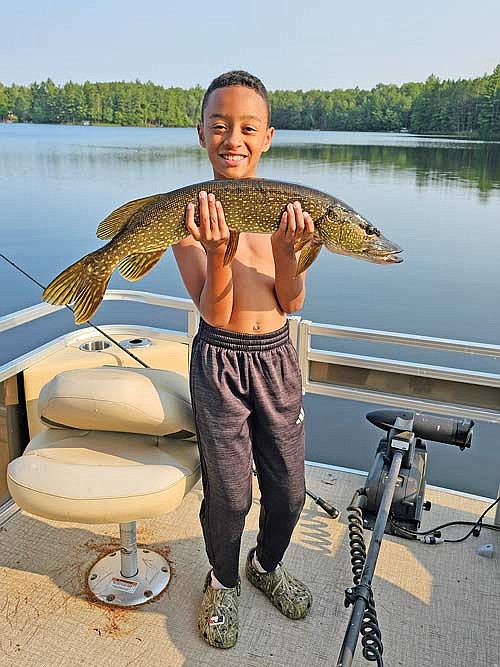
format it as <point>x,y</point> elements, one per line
<point>439,199</point>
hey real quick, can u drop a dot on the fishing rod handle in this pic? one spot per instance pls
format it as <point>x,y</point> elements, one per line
<point>329,509</point>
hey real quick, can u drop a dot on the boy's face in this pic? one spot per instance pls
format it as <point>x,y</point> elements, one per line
<point>235,131</point>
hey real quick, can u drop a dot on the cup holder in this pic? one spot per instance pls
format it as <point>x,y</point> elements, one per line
<point>95,346</point>
<point>136,342</point>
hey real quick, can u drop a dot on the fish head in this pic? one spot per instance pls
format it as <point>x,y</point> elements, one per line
<point>345,232</point>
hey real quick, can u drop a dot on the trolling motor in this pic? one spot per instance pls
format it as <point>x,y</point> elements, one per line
<point>408,500</point>
<point>391,501</point>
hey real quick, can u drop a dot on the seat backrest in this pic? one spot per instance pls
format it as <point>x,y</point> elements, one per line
<point>110,398</point>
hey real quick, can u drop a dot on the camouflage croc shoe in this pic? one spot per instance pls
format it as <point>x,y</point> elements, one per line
<point>287,593</point>
<point>218,617</point>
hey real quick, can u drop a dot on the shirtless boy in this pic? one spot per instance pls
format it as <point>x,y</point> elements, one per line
<point>245,381</point>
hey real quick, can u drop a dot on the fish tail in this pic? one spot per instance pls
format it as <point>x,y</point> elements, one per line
<point>82,284</point>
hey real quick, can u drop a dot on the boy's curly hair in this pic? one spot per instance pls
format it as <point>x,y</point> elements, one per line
<point>237,78</point>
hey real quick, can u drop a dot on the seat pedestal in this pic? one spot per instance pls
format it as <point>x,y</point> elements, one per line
<point>122,452</point>
<point>129,576</point>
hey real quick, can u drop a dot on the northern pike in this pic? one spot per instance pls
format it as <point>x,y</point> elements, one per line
<point>141,230</point>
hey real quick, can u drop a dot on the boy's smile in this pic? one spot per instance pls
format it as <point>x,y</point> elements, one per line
<point>235,131</point>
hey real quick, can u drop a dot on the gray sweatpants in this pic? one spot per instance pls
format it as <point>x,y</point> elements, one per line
<point>246,391</point>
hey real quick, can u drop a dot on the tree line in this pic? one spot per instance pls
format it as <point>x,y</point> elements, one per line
<point>465,107</point>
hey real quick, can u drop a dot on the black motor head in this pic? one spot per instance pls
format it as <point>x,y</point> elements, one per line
<point>450,430</point>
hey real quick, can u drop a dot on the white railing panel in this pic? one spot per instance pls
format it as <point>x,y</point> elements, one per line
<point>42,309</point>
<point>411,340</point>
<point>405,367</point>
<point>399,401</point>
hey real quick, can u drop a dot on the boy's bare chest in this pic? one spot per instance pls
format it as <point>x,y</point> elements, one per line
<point>255,251</point>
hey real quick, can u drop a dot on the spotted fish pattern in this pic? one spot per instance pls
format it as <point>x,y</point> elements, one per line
<point>141,230</point>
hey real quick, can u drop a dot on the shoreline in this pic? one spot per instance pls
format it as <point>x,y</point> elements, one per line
<point>465,137</point>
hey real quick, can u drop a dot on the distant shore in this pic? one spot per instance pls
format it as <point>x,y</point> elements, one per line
<point>463,108</point>
<point>469,136</point>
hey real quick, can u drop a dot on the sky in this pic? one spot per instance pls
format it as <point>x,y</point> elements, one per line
<point>293,44</point>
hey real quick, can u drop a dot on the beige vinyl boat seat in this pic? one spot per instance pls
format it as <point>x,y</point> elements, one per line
<point>120,447</point>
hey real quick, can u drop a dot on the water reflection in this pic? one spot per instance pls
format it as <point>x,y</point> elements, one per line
<point>63,162</point>
<point>473,165</point>
<point>55,152</point>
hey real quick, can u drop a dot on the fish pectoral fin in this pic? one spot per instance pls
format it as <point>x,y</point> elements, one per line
<point>307,255</point>
<point>136,266</point>
<point>300,244</point>
<point>117,220</point>
<point>232,246</point>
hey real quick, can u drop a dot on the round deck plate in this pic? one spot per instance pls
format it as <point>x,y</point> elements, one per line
<point>109,585</point>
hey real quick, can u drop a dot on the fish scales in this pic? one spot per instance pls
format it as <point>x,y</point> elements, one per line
<point>261,210</point>
<point>141,231</point>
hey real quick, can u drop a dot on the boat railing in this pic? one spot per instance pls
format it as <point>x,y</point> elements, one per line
<point>357,377</point>
<point>386,381</point>
<point>439,389</point>
<point>43,309</point>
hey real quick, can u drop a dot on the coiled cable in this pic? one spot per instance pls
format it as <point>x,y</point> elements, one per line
<point>356,540</point>
<point>371,638</point>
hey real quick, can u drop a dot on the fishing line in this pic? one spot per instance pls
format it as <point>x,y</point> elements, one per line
<point>329,509</point>
<point>103,333</point>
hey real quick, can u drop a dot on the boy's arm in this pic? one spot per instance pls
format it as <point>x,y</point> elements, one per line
<point>290,288</point>
<point>200,258</point>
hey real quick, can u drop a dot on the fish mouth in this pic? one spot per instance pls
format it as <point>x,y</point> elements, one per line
<point>380,250</point>
<point>377,249</point>
<point>387,258</point>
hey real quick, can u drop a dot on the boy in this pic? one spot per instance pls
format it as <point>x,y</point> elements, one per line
<point>245,381</point>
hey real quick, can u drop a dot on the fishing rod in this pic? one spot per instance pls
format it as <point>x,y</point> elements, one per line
<point>98,329</point>
<point>327,507</point>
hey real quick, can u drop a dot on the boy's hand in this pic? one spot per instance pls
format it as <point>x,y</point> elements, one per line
<point>213,232</point>
<point>295,225</point>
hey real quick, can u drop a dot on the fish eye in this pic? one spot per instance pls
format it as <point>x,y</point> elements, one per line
<point>370,229</point>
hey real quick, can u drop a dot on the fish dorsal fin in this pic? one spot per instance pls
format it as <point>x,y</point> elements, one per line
<point>135,266</point>
<point>232,246</point>
<point>307,255</point>
<point>117,220</point>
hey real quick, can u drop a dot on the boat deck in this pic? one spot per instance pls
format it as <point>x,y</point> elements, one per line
<point>437,605</point>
